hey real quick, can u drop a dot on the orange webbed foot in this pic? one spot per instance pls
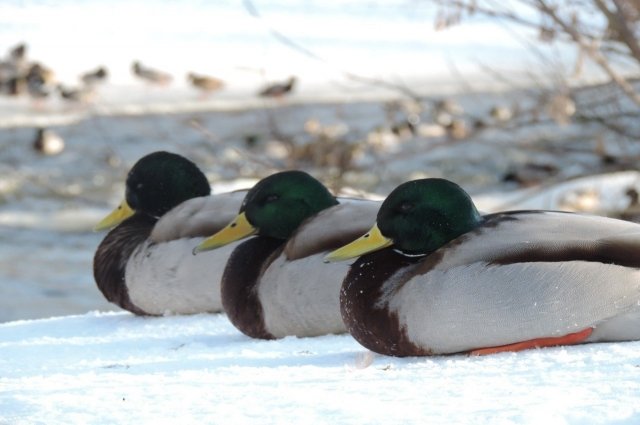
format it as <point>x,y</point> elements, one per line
<point>570,339</point>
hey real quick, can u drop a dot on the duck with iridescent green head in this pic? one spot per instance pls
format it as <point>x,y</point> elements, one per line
<point>436,277</point>
<point>275,283</point>
<point>145,264</point>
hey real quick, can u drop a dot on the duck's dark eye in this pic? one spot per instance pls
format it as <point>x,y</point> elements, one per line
<point>132,199</point>
<point>271,198</point>
<point>405,207</point>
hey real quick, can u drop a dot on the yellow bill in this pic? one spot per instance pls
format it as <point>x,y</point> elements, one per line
<point>371,241</point>
<point>116,217</point>
<point>238,229</point>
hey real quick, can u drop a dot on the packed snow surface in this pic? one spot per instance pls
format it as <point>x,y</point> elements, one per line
<point>106,368</point>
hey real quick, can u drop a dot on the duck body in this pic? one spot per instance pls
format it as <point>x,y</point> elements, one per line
<point>47,142</point>
<point>151,75</point>
<point>204,82</point>
<point>278,90</point>
<point>82,94</point>
<point>275,284</point>
<point>146,265</point>
<point>94,77</point>
<point>272,288</point>
<point>515,277</point>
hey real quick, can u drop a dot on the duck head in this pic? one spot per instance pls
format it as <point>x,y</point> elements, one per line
<point>417,218</point>
<point>157,183</point>
<point>274,207</point>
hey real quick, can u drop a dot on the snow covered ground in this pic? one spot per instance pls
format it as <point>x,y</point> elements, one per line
<point>106,368</point>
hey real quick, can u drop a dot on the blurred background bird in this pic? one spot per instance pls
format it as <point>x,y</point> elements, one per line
<point>18,55</point>
<point>47,142</point>
<point>79,94</point>
<point>151,75</point>
<point>206,84</point>
<point>91,78</point>
<point>278,89</point>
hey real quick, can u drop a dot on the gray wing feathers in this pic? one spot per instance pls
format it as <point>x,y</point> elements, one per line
<point>332,228</point>
<point>198,217</point>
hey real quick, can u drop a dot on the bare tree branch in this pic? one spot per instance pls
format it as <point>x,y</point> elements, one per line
<point>474,7</point>
<point>625,33</point>
<point>589,48</point>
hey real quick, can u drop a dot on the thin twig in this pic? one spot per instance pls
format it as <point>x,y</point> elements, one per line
<point>591,50</point>
<point>626,34</point>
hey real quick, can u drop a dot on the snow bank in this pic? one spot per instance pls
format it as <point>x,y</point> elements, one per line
<point>595,194</point>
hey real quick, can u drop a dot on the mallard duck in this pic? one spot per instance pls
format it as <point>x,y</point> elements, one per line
<point>274,284</point>
<point>18,58</point>
<point>18,52</point>
<point>145,264</point>
<point>40,74</point>
<point>150,75</point>
<point>439,278</point>
<point>81,94</point>
<point>14,86</point>
<point>205,83</point>
<point>38,81</point>
<point>98,75</point>
<point>278,89</point>
<point>47,142</point>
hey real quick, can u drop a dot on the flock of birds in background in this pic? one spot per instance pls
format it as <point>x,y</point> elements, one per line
<point>406,118</point>
<point>20,76</point>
